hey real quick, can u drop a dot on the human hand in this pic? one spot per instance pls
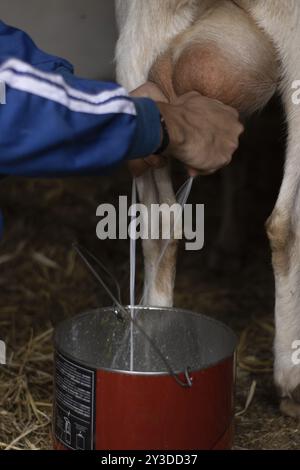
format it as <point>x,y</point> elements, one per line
<point>204,133</point>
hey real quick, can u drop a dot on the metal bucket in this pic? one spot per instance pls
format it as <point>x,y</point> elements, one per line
<point>100,403</point>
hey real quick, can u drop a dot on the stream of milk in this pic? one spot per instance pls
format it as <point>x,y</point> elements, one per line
<point>182,197</point>
<point>132,271</point>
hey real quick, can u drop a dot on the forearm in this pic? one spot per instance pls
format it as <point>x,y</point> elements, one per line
<point>50,128</point>
<point>56,124</point>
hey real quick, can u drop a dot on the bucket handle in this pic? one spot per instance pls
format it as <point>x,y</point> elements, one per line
<point>84,254</point>
<point>121,313</point>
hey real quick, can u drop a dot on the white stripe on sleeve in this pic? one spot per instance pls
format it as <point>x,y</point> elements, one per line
<point>45,85</point>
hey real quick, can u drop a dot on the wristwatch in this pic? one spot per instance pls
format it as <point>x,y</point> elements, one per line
<point>165,137</point>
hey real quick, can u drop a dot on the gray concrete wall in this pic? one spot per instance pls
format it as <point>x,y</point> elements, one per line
<point>82,31</point>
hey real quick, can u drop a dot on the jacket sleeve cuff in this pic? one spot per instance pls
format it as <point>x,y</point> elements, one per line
<point>147,137</point>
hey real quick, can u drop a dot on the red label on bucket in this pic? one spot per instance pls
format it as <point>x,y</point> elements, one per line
<point>74,405</point>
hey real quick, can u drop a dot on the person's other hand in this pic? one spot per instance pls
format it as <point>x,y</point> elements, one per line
<point>141,165</point>
<point>149,90</point>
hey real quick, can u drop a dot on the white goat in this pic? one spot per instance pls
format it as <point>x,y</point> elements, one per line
<point>239,52</point>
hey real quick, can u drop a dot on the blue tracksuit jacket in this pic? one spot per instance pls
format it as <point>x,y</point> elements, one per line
<point>56,124</point>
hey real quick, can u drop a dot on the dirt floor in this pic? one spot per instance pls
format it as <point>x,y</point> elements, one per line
<point>42,282</point>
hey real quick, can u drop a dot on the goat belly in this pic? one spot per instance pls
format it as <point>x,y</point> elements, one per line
<point>224,56</point>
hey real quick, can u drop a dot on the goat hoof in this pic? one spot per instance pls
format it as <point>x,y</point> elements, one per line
<point>296,395</point>
<point>290,407</point>
<point>287,382</point>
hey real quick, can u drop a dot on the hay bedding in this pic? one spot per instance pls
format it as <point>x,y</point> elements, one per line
<point>39,285</point>
<point>41,282</point>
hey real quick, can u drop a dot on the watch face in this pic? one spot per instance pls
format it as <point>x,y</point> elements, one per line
<point>165,137</point>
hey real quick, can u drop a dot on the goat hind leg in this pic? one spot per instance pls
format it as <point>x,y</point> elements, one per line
<point>155,187</point>
<point>284,233</point>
